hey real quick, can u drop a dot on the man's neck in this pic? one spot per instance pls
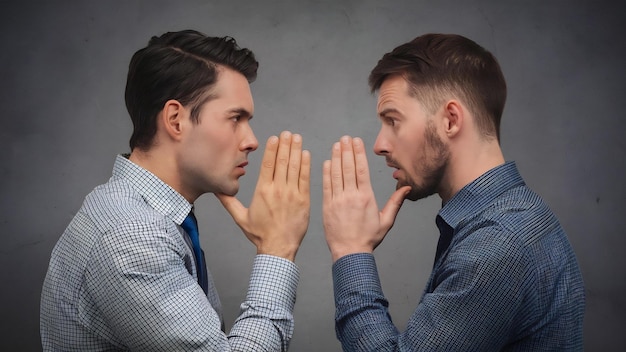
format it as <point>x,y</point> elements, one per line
<point>162,165</point>
<point>467,164</point>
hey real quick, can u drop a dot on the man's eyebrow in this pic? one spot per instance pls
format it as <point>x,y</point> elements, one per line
<point>387,111</point>
<point>241,111</point>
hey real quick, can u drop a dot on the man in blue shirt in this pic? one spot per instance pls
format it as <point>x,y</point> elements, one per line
<point>128,273</point>
<point>505,277</point>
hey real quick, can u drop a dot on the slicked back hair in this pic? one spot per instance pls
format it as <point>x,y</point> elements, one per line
<point>182,66</point>
<point>439,67</point>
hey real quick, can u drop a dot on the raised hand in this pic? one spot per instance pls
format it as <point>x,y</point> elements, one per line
<point>352,222</point>
<point>278,216</point>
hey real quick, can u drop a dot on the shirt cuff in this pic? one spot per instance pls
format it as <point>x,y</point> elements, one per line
<point>355,273</point>
<point>273,279</point>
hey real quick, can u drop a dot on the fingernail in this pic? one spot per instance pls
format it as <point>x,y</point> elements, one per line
<point>273,140</point>
<point>345,139</point>
<point>357,141</point>
<point>297,138</point>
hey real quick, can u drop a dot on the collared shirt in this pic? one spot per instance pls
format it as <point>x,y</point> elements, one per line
<point>505,278</point>
<point>122,277</point>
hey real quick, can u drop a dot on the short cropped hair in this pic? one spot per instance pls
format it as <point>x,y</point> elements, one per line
<point>443,66</point>
<point>181,66</point>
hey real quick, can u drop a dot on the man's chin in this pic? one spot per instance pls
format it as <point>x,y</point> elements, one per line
<point>413,196</point>
<point>231,190</point>
<point>415,193</point>
<point>410,195</point>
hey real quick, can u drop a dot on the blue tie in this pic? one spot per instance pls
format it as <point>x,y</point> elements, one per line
<point>191,227</point>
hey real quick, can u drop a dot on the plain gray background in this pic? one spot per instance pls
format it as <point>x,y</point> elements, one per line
<point>63,69</point>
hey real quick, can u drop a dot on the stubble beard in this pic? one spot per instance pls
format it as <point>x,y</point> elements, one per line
<point>432,169</point>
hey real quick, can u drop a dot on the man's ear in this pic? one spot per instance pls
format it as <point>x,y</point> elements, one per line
<point>454,117</point>
<point>172,117</point>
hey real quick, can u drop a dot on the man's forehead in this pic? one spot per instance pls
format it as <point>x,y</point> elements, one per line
<point>394,87</point>
<point>394,84</point>
<point>233,84</point>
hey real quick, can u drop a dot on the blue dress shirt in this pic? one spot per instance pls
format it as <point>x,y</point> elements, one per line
<point>505,278</point>
<point>122,277</point>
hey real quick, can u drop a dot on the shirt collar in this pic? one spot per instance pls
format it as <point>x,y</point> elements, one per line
<point>481,192</point>
<point>158,194</point>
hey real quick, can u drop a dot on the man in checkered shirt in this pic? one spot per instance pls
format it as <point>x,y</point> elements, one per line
<point>124,276</point>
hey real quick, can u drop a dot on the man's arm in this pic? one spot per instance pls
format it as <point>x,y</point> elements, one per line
<point>354,227</point>
<point>476,303</point>
<point>266,319</point>
<point>275,223</point>
<point>362,318</point>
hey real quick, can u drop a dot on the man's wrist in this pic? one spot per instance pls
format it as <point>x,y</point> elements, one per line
<point>337,253</point>
<point>286,253</point>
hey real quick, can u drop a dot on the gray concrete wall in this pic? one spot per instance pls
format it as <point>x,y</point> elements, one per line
<point>63,67</point>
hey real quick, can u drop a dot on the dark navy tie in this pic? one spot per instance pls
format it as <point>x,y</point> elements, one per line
<point>445,237</point>
<point>191,227</point>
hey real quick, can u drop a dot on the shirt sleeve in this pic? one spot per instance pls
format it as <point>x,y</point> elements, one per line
<point>266,319</point>
<point>144,292</point>
<point>362,320</point>
<point>474,303</point>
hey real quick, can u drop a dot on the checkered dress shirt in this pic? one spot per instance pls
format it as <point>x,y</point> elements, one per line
<point>505,278</point>
<point>122,277</point>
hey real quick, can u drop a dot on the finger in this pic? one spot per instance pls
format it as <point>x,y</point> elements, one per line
<point>295,158</point>
<point>362,171</point>
<point>347,163</point>
<point>269,160</point>
<point>336,177</point>
<point>282,157</point>
<point>389,212</point>
<point>304,184</point>
<point>234,207</point>
<point>327,189</point>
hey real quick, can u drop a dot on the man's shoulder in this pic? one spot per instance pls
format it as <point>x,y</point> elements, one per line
<point>116,194</point>
<point>517,223</point>
<point>117,202</point>
<point>512,209</point>
<point>523,212</point>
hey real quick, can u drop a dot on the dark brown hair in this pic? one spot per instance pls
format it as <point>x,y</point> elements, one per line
<point>182,66</point>
<point>444,66</point>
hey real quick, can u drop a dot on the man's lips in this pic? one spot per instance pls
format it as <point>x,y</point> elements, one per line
<point>241,168</point>
<point>396,173</point>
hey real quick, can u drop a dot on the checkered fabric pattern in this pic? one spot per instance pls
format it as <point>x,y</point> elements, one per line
<point>122,277</point>
<point>505,278</point>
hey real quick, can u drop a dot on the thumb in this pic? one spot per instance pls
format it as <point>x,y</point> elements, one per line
<point>389,212</point>
<point>233,206</point>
